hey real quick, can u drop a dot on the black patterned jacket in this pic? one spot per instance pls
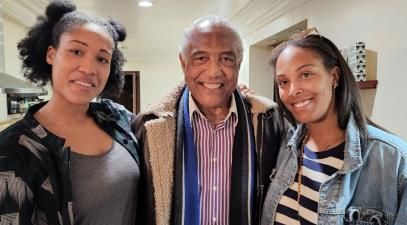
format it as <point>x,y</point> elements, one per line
<point>35,186</point>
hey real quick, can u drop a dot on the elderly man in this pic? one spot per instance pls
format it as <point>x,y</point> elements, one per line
<point>208,152</point>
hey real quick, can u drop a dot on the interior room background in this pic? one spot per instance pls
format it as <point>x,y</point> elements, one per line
<point>153,34</point>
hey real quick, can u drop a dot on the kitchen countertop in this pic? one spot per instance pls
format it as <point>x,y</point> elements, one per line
<point>14,116</point>
<point>5,123</point>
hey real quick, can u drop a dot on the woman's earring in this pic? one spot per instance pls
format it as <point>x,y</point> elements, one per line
<point>335,85</point>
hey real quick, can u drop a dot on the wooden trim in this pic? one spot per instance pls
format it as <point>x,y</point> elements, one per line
<point>369,84</point>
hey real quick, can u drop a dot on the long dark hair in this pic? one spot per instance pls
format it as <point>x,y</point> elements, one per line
<point>347,96</point>
<point>60,17</point>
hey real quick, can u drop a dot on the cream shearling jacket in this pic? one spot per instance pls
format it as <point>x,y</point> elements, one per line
<point>156,133</point>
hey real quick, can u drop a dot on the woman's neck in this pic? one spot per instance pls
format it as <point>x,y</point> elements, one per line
<point>324,135</point>
<point>59,111</point>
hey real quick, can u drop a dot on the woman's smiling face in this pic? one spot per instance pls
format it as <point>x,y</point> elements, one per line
<point>305,86</point>
<point>80,63</point>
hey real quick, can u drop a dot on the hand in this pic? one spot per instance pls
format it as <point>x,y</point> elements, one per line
<point>244,89</point>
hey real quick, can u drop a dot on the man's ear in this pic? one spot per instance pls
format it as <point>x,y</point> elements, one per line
<point>50,55</point>
<point>182,61</point>
<point>238,65</point>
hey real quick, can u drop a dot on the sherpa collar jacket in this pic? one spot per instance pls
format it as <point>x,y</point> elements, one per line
<point>156,133</point>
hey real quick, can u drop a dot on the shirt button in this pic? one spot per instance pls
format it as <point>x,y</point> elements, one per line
<point>214,159</point>
<point>214,188</point>
<point>125,141</point>
<point>214,220</point>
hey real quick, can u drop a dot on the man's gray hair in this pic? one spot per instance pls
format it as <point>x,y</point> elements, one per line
<point>210,21</point>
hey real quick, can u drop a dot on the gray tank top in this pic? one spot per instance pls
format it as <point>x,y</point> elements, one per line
<point>105,187</point>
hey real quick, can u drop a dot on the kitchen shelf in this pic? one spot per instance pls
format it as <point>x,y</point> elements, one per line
<point>369,84</point>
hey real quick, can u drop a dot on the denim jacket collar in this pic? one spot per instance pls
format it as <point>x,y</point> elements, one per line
<point>295,136</point>
<point>353,145</point>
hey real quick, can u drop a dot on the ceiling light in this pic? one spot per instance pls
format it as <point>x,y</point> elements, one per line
<point>145,3</point>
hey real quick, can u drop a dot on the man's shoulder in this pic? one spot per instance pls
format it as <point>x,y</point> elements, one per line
<point>259,104</point>
<point>166,105</point>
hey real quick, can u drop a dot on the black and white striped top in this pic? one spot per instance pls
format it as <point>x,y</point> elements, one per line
<point>317,168</point>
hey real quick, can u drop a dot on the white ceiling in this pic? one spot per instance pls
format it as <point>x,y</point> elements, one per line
<point>152,33</point>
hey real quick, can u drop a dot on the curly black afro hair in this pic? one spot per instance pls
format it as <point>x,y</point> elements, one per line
<point>60,17</point>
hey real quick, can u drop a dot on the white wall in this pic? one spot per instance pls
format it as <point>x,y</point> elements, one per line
<point>13,32</point>
<point>156,78</point>
<point>228,8</point>
<point>3,107</point>
<point>260,79</point>
<point>381,25</point>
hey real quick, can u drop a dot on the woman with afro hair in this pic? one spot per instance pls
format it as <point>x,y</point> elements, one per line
<point>70,160</point>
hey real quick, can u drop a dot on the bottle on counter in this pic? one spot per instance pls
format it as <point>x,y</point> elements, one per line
<point>13,107</point>
<point>23,106</point>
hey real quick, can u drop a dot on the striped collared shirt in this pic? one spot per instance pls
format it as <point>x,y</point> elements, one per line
<point>214,144</point>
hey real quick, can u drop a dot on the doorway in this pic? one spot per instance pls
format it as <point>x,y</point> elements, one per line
<point>130,97</point>
<point>261,77</point>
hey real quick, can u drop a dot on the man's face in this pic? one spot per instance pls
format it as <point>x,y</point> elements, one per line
<point>211,67</point>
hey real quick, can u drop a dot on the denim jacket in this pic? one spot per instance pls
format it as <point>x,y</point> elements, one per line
<point>371,187</point>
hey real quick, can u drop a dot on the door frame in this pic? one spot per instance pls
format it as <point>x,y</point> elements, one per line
<point>136,89</point>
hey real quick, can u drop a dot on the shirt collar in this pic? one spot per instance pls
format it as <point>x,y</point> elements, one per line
<point>193,107</point>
